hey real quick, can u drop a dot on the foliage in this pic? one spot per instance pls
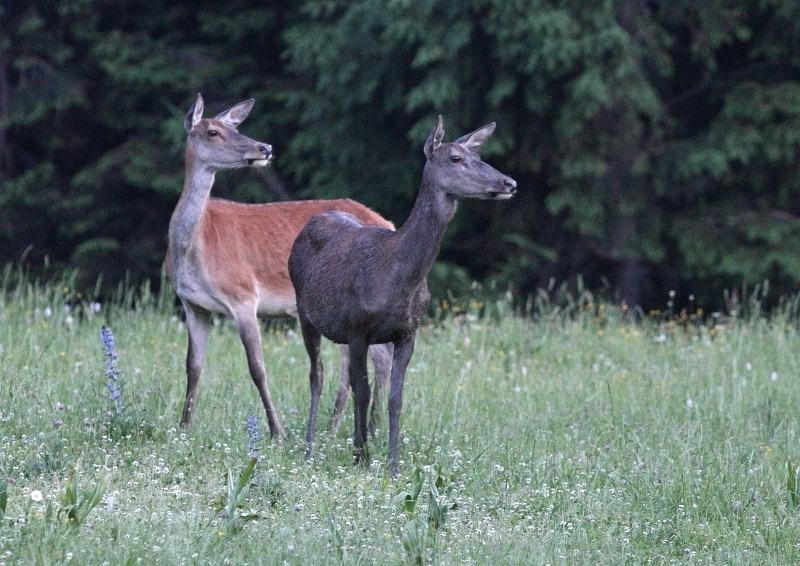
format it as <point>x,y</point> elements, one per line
<point>571,435</point>
<point>77,504</point>
<point>233,508</point>
<point>655,143</point>
<point>419,532</point>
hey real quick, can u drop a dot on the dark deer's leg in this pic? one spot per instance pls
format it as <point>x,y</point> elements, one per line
<point>312,340</point>
<point>360,385</point>
<point>344,390</point>
<point>198,324</point>
<point>381,355</point>
<point>402,355</point>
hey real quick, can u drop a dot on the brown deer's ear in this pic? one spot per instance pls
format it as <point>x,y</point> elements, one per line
<point>194,115</point>
<point>475,140</point>
<point>434,139</point>
<point>234,116</point>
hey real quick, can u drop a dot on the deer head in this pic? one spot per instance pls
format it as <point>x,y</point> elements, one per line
<point>217,144</point>
<point>457,168</point>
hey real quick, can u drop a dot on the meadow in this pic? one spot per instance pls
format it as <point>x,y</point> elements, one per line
<point>566,436</point>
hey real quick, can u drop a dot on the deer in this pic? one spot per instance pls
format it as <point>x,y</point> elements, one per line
<point>231,258</point>
<point>360,285</point>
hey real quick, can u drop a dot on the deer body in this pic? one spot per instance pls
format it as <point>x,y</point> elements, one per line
<point>231,258</point>
<point>362,285</point>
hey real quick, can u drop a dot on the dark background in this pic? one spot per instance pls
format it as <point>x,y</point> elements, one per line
<point>655,143</point>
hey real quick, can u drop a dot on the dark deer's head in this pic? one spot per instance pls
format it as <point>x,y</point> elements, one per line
<point>457,169</point>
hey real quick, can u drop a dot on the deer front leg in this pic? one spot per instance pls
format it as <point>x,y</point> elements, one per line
<point>250,335</point>
<point>198,324</point>
<point>360,385</point>
<point>312,340</point>
<point>403,350</point>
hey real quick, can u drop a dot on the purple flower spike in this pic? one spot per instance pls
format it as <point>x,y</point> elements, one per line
<point>112,371</point>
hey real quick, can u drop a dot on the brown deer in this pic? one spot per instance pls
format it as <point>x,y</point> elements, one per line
<point>362,285</point>
<point>231,258</point>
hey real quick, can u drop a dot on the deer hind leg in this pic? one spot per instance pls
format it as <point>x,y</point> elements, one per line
<point>360,385</point>
<point>344,391</point>
<point>250,334</point>
<point>312,340</point>
<point>198,324</point>
<point>381,356</point>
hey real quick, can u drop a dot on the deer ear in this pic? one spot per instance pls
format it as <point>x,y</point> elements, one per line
<point>194,115</point>
<point>474,141</point>
<point>434,139</point>
<point>234,116</point>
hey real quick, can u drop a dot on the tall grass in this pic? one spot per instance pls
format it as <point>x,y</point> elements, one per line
<point>566,436</point>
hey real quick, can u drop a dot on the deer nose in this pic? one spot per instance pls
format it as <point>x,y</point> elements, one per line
<point>265,149</point>
<point>511,184</point>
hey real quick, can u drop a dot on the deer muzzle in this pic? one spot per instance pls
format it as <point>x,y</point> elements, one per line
<point>260,156</point>
<point>506,191</point>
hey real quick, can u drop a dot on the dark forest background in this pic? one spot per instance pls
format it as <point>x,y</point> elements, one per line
<point>656,143</point>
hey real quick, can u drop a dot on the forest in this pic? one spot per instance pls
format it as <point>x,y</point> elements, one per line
<point>656,143</point>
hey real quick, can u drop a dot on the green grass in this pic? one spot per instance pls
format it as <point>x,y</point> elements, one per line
<point>568,437</point>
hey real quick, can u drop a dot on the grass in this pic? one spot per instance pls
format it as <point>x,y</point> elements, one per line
<point>566,437</point>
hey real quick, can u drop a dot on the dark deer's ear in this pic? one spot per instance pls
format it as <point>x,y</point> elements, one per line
<point>194,115</point>
<point>434,139</point>
<point>234,116</point>
<point>474,141</point>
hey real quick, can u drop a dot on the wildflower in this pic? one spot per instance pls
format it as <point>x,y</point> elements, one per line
<point>60,406</point>
<point>94,307</point>
<point>689,404</point>
<point>253,436</point>
<point>36,495</point>
<point>774,376</point>
<point>58,422</point>
<point>112,371</point>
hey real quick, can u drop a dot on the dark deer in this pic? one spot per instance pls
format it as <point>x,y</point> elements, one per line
<point>362,285</point>
<point>231,258</point>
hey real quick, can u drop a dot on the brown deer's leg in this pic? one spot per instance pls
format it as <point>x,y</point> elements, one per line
<point>198,324</point>
<point>250,334</point>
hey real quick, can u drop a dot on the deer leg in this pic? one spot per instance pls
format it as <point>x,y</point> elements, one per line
<point>312,340</point>
<point>344,391</point>
<point>360,385</point>
<point>198,324</point>
<point>402,355</point>
<point>250,334</point>
<point>381,355</point>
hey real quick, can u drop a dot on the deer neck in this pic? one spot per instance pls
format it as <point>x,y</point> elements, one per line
<point>188,214</point>
<point>421,236</point>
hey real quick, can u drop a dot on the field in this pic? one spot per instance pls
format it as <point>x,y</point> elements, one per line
<point>568,436</point>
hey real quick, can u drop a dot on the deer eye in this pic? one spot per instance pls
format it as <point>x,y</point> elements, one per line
<point>455,158</point>
<point>213,133</point>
